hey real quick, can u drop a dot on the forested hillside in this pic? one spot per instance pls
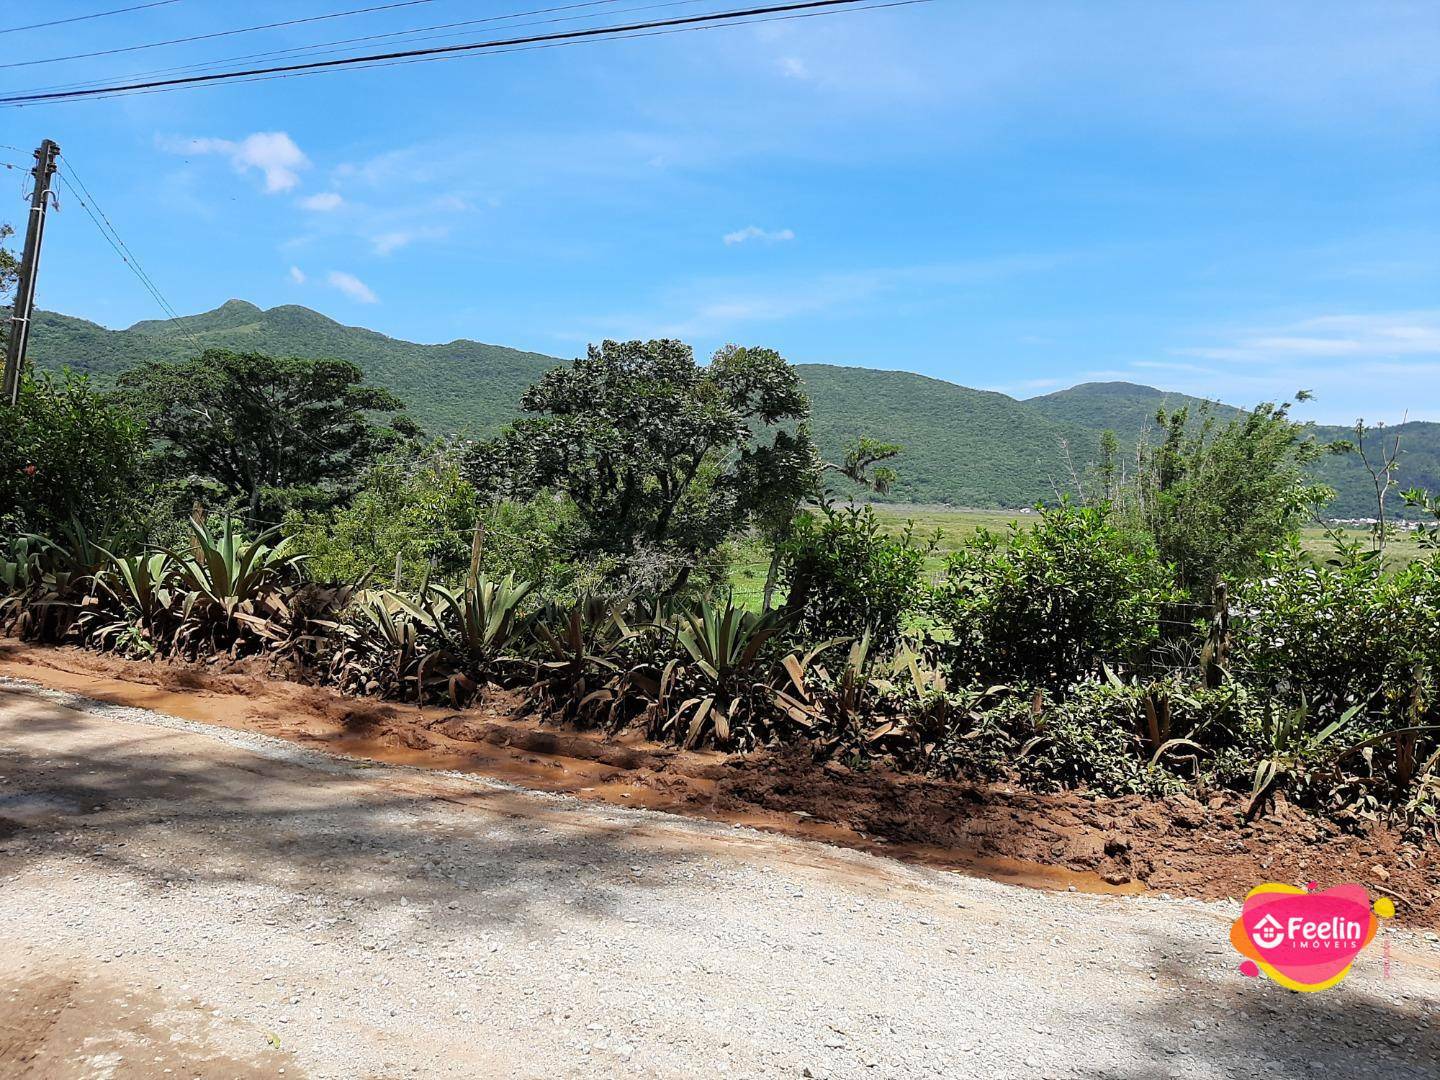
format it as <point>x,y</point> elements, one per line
<point>462,386</point>
<point>963,447</point>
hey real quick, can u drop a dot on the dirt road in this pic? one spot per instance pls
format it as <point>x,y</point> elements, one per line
<point>179,900</point>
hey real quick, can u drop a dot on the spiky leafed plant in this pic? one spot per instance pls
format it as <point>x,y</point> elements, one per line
<point>316,617</point>
<point>1292,750</point>
<point>382,644</point>
<point>897,704</point>
<point>576,649</point>
<point>61,582</point>
<point>232,588</point>
<point>718,674</point>
<point>476,626</point>
<point>137,612</point>
<point>19,571</point>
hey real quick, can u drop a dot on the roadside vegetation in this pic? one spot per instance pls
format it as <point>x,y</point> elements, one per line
<point>657,545</point>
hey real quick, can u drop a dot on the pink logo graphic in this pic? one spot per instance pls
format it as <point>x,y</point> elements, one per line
<point>1302,939</point>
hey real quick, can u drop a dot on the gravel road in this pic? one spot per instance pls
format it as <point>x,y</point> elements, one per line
<point>179,900</point>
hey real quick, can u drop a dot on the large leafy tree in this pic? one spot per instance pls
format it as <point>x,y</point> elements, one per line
<point>655,450</point>
<point>1217,496</point>
<point>271,432</point>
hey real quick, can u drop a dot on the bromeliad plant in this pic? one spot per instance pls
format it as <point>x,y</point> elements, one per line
<point>896,705</point>
<point>19,570</point>
<point>1293,752</point>
<point>577,661</point>
<point>381,644</point>
<point>60,580</point>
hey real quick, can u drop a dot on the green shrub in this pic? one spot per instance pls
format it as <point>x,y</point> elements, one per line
<point>420,513</point>
<point>846,575</point>
<point>70,453</point>
<point>1047,605</point>
<point>1089,741</point>
<point>1339,635</point>
<point>1215,494</point>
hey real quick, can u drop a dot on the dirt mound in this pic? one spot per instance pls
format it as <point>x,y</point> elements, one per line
<point>1064,840</point>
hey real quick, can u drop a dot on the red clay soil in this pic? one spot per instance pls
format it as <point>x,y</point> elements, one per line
<point>1063,840</point>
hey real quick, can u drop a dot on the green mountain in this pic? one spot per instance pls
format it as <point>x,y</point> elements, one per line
<point>465,386</point>
<point>963,447</point>
<point>1128,409</point>
<point>1120,407</point>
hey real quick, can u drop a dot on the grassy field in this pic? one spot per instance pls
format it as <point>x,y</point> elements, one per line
<point>953,527</point>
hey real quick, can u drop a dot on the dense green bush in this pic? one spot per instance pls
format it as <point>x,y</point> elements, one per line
<point>420,513</point>
<point>69,452</point>
<point>414,510</point>
<point>1339,635</point>
<point>846,575</point>
<point>1090,740</point>
<point>1047,605</point>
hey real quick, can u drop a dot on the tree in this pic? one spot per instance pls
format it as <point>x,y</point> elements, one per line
<point>657,453</point>
<point>9,271</point>
<point>1216,497</point>
<point>272,432</point>
<point>70,452</point>
<point>777,516</point>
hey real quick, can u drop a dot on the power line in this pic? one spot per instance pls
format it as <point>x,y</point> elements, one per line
<point>555,44</point>
<point>321,48</point>
<point>117,243</point>
<point>86,18</point>
<point>381,59</point>
<point>219,34</point>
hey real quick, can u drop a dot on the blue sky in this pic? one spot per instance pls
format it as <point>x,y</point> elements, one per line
<point>1234,200</point>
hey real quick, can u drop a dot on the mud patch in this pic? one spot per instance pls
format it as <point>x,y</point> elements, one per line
<point>60,1027</point>
<point>1055,841</point>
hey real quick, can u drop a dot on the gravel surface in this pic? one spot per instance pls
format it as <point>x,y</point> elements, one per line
<point>182,900</point>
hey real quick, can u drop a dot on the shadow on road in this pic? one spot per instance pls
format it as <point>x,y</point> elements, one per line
<point>1267,1031</point>
<point>172,809</point>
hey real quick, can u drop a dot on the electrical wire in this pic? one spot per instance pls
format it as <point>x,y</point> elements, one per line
<point>218,34</point>
<point>86,18</point>
<point>117,243</point>
<point>380,59</point>
<point>553,44</point>
<point>323,48</point>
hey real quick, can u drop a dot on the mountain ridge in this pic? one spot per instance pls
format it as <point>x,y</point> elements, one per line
<point>963,446</point>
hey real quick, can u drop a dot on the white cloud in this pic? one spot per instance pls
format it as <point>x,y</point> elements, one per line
<point>393,241</point>
<point>1382,366</point>
<point>792,67</point>
<point>754,232</point>
<point>1335,337</point>
<point>352,287</point>
<point>385,243</point>
<point>273,153</point>
<point>324,201</point>
<point>722,307</point>
<point>297,275</point>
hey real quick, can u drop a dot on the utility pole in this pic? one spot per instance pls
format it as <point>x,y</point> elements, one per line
<point>24,307</point>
